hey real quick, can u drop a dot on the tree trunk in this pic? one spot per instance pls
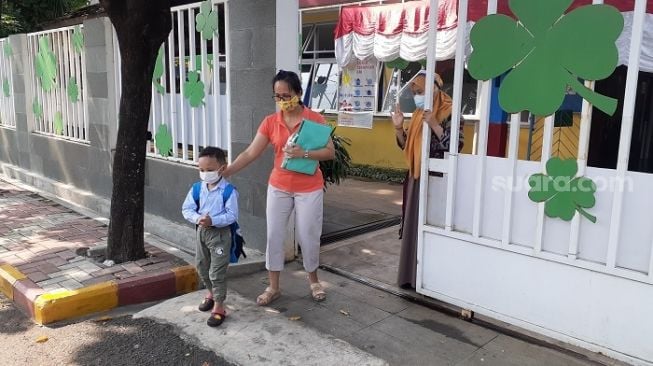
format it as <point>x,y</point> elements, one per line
<point>141,27</point>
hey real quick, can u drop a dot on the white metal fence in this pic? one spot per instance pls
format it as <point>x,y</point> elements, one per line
<point>58,78</point>
<point>7,109</point>
<point>483,243</point>
<point>189,101</point>
<point>522,226</point>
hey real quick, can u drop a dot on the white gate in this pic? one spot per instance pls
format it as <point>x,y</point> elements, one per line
<point>485,246</point>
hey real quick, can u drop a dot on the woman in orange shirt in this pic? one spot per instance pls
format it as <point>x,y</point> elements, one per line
<point>288,190</point>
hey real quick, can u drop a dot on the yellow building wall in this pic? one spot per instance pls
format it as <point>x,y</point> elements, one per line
<point>377,146</point>
<point>564,142</point>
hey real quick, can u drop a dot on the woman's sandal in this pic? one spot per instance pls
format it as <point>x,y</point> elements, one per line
<point>216,318</point>
<point>317,292</point>
<point>267,297</point>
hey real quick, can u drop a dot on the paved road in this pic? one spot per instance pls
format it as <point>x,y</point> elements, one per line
<point>118,341</point>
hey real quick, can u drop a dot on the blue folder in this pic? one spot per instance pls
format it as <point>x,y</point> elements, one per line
<point>311,136</point>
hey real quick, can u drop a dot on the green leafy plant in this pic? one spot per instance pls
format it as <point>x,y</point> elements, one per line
<point>206,21</point>
<point>398,63</point>
<point>37,108</point>
<point>159,69</point>
<point>58,123</point>
<point>46,64</point>
<point>380,174</point>
<point>6,88</point>
<point>78,39</point>
<point>545,51</point>
<point>163,141</point>
<point>73,90</point>
<point>194,89</point>
<point>563,192</point>
<point>401,64</point>
<point>336,170</point>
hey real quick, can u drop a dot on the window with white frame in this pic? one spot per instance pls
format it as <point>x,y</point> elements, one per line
<point>320,71</point>
<point>320,75</point>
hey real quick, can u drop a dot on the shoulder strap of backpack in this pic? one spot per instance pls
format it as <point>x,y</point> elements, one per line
<point>197,187</point>
<point>228,189</point>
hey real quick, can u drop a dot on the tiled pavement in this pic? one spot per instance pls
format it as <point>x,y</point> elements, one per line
<point>41,238</point>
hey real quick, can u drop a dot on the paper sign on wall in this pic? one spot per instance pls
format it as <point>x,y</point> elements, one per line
<point>353,119</point>
<point>356,94</point>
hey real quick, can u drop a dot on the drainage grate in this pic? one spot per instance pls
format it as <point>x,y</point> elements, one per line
<point>359,230</point>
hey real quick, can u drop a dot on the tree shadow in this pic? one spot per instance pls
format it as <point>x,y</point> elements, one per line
<point>12,320</point>
<point>142,342</point>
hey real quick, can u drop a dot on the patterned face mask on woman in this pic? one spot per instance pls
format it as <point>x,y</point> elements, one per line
<point>286,105</point>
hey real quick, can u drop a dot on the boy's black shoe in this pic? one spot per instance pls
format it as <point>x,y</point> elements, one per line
<point>215,319</point>
<point>206,305</point>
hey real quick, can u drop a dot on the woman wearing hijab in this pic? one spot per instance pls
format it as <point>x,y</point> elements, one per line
<point>410,141</point>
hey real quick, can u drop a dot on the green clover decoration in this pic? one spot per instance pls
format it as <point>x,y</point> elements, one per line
<point>562,192</point>
<point>6,88</point>
<point>159,70</point>
<point>37,108</point>
<point>78,39</point>
<point>45,64</point>
<point>58,123</point>
<point>6,48</point>
<point>163,141</point>
<point>73,90</point>
<point>194,89</point>
<point>545,51</point>
<point>206,21</point>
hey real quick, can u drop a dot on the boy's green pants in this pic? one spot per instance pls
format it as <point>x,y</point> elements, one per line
<point>212,259</point>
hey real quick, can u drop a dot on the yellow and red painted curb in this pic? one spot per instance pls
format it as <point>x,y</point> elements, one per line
<point>49,307</point>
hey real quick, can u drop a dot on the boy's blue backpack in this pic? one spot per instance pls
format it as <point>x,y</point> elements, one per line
<point>237,241</point>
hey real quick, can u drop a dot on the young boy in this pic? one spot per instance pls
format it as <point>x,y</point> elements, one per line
<point>212,217</point>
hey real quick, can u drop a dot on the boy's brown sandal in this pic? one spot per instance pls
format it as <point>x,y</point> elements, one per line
<point>206,305</point>
<point>216,318</point>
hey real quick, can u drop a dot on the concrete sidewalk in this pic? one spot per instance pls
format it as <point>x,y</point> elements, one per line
<point>356,325</point>
<point>46,272</point>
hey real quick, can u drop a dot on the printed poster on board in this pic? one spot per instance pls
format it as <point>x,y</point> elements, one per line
<point>356,94</point>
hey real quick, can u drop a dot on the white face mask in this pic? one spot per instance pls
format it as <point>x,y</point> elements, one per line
<point>419,101</point>
<point>210,177</point>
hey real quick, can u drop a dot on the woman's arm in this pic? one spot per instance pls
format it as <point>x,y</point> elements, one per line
<point>436,127</point>
<point>253,151</point>
<point>398,124</point>
<point>400,135</point>
<point>444,138</point>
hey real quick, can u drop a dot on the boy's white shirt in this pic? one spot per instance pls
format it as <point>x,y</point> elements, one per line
<point>211,203</point>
